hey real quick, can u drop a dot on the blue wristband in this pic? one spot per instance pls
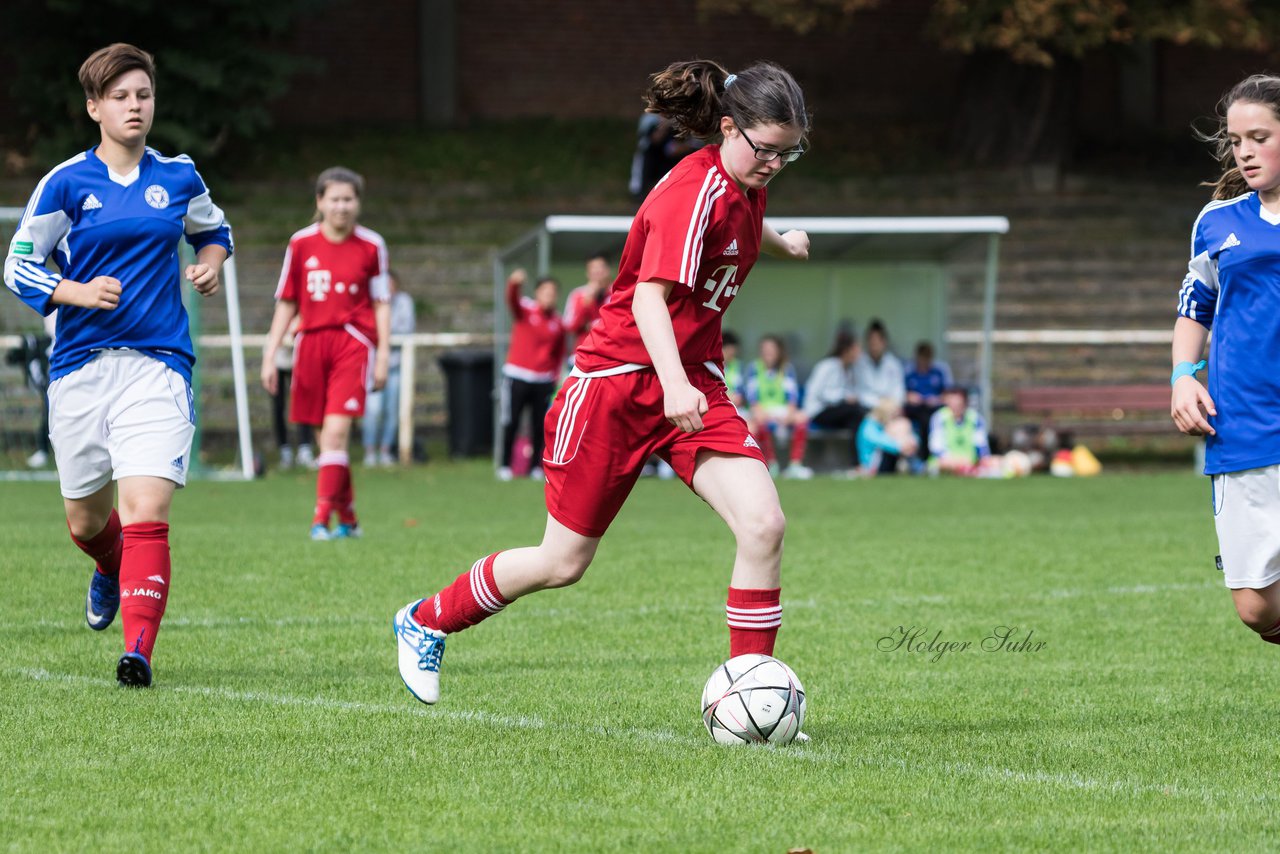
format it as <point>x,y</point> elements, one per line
<point>1185,369</point>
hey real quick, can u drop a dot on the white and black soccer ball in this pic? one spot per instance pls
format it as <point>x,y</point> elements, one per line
<point>753,698</point>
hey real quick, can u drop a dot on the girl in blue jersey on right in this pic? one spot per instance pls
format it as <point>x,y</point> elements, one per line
<point>121,414</point>
<point>1233,286</point>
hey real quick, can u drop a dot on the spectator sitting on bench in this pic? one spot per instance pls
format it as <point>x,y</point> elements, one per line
<point>877,373</point>
<point>773,394</point>
<point>884,437</point>
<point>829,401</point>
<point>925,383</point>
<point>957,436</point>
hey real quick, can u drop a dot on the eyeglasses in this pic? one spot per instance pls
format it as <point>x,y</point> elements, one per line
<point>768,155</point>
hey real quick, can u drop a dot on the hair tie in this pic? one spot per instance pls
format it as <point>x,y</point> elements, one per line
<point>728,81</point>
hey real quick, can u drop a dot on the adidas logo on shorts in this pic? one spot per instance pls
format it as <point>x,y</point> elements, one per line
<point>750,442</point>
<point>351,405</point>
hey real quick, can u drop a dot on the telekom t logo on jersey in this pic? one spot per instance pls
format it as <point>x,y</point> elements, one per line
<point>721,285</point>
<point>318,284</point>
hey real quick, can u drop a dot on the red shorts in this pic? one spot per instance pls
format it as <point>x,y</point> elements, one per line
<point>602,430</point>
<point>330,369</point>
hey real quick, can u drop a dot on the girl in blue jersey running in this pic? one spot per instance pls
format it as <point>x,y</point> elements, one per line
<point>1231,287</point>
<point>121,414</point>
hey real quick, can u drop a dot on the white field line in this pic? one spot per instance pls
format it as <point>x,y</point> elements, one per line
<point>815,753</point>
<point>180,622</point>
<point>410,707</point>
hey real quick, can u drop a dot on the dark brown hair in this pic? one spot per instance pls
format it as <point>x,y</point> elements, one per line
<point>108,63</point>
<point>693,95</point>
<point>337,175</point>
<point>845,339</point>
<point>1261,89</point>
<point>780,344</point>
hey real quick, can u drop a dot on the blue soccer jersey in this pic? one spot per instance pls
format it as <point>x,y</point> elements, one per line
<point>1233,287</point>
<point>931,383</point>
<point>96,223</point>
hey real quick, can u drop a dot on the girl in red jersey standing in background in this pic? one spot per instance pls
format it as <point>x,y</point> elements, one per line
<point>335,278</point>
<point>648,379</point>
<point>532,367</point>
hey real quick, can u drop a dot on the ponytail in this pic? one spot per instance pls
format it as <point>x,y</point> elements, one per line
<point>696,94</point>
<point>688,93</point>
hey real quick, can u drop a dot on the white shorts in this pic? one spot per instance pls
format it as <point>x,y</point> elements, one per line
<point>122,415</point>
<point>1246,512</point>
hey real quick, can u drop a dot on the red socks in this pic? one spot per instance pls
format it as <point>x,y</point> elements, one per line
<point>346,505</point>
<point>472,597</point>
<point>754,617</point>
<point>764,438</point>
<point>799,439</point>
<point>333,489</point>
<point>105,546</point>
<point>144,584</point>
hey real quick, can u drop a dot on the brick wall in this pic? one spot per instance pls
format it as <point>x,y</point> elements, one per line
<point>367,58</point>
<point>570,58</point>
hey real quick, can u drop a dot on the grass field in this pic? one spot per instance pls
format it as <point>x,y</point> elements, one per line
<point>570,722</point>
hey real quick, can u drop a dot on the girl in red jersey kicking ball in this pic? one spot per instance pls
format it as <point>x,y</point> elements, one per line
<point>334,277</point>
<point>647,378</point>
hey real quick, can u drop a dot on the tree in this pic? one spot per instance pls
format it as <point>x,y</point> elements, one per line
<point>218,66</point>
<point>1019,86</point>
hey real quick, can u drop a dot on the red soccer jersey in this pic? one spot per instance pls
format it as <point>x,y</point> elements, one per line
<point>335,284</point>
<point>582,310</point>
<point>537,339</point>
<point>699,229</point>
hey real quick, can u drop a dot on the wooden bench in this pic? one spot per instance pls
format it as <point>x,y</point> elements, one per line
<point>1099,409</point>
<point>828,449</point>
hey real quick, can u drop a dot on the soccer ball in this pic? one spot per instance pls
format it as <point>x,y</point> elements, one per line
<point>1016,464</point>
<point>753,698</point>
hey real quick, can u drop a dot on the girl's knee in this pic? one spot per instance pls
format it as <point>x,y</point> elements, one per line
<point>765,526</point>
<point>1256,611</point>
<point>565,570</point>
<point>86,526</point>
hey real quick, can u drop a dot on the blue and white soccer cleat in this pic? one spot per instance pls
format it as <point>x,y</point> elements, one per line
<point>420,651</point>
<point>133,671</point>
<point>347,532</point>
<point>102,601</point>
<point>320,533</point>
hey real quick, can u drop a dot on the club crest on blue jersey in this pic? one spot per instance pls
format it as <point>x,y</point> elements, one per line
<point>157,197</point>
<point>79,216</point>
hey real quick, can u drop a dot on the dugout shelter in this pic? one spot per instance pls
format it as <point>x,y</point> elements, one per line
<point>928,278</point>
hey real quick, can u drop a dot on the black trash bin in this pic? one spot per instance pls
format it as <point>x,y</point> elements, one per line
<point>469,398</point>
